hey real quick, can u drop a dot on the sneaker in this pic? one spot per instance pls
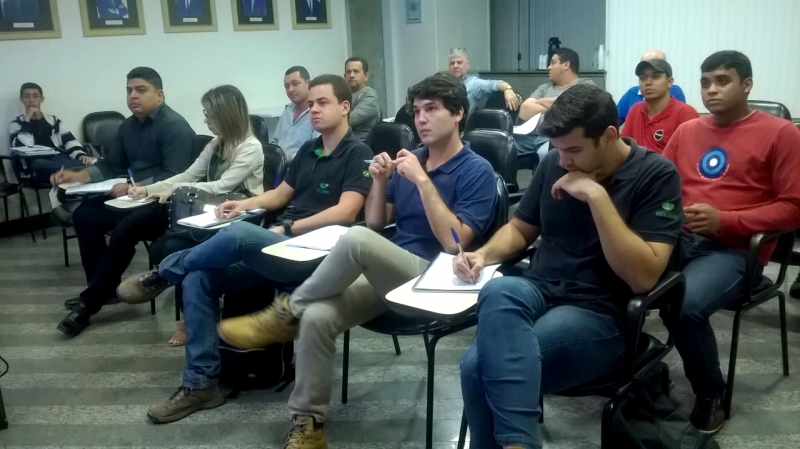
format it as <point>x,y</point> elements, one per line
<point>708,415</point>
<point>305,434</point>
<point>184,402</point>
<point>275,324</point>
<point>794,290</point>
<point>142,287</point>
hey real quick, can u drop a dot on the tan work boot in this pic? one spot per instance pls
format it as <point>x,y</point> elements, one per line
<point>305,434</point>
<point>275,324</point>
<point>184,402</point>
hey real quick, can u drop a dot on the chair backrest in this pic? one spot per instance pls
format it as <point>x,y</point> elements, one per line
<point>771,108</point>
<point>407,119</point>
<point>260,130</point>
<point>100,130</point>
<point>275,165</point>
<point>501,211</point>
<point>490,119</point>
<point>391,138</point>
<point>497,147</point>
<point>497,100</point>
<point>199,143</point>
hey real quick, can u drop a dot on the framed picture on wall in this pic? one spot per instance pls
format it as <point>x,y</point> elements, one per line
<point>254,15</point>
<point>29,19</point>
<point>112,17</point>
<point>187,16</point>
<point>413,11</point>
<point>310,14</point>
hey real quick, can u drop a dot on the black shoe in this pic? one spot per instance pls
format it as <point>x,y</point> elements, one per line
<point>794,290</point>
<point>708,415</point>
<point>75,322</point>
<point>72,302</point>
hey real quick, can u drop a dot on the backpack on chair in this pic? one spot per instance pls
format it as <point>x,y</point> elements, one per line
<point>262,368</point>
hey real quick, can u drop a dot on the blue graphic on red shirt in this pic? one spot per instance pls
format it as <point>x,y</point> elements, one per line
<point>713,164</point>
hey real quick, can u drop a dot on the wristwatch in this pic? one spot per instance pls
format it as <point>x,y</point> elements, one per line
<point>287,226</point>
<point>508,88</point>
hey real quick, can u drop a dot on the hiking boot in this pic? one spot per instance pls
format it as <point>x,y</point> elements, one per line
<point>142,287</point>
<point>708,415</point>
<point>794,290</point>
<point>305,434</point>
<point>184,402</point>
<point>275,324</point>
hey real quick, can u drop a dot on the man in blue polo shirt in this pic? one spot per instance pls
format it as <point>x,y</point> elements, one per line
<point>428,192</point>
<point>634,94</point>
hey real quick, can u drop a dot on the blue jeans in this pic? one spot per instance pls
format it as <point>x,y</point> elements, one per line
<point>529,345</point>
<point>229,262</point>
<point>714,278</point>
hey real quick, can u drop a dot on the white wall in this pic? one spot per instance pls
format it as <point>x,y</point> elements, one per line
<point>417,50</point>
<point>690,30</point>
<point>81,74</point>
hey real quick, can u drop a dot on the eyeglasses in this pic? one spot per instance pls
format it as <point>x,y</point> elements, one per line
<point>205,113</point>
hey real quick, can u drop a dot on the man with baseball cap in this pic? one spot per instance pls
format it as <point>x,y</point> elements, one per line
<point>634,94</point>
<point>651,122</point>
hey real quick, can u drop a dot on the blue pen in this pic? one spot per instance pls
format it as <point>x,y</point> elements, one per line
<point>460,249</point>
<point>130,175</point>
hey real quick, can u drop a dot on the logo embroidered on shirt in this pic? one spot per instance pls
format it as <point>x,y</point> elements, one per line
<point>659,135</point>
<point>667,211</point>
<point>366,173</point>
<point>323,185</point>
<point>713,164</point>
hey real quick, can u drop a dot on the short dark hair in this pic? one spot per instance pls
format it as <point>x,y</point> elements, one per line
<point>363,62</point>
<point>341,90</point>
<point>442,86</point>
<point>30,85</point>
<point>147,74</point>
<point>300,69</point>
<point>569,55</point>
<point>581,106</point>
<point>729,59</point>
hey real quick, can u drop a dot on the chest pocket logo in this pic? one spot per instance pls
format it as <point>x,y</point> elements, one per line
<point>713,164</point>
<point>324,188</point>
<point>659,135</point>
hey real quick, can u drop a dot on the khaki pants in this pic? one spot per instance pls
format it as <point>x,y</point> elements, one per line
<point>347,289</point>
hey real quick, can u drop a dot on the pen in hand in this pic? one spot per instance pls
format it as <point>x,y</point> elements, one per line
<point>461,252</point>
<point>58,178</point>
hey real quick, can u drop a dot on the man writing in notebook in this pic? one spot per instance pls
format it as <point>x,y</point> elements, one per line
<point>427,192</point>
<point>326,185</point>
<point>609,213</point>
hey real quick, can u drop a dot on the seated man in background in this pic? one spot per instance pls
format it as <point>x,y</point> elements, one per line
<point>294,127</point>
<point>563,73</point>
<point>653,121</point>
<point>37,128</point>
<point>478,89</point>
<point>325,185</point>
<point>740,176</point>
<point>634,94</point>
<point>366,111</point>
<point>155,143</point>
<point>438,188</point>
<point>599,204</point>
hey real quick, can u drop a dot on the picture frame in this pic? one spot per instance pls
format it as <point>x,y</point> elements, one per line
<point>254,15</point>
<point>29,19</point>
<point>310,14</point>
<point>189,16</point>
<point>413,11</point>
<point>112,17</point>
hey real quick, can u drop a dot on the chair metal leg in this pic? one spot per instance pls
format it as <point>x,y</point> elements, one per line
<point>3,418</point>
<point>23,208</point>
<point>605,423</point>
<point>462,432</point>
<point>5,206</point>
<point>345,364</point>
<point>177,312</point>
<point>732,363</point>
<point>64,242</point>
<point>396,345</point>
<point>431,350</point>
<point>39,205</point>
<point>784,339</point>
<point>152,306</point>
<point>427,340</point>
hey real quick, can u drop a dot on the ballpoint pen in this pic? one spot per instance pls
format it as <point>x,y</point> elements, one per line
<point>461,250</point>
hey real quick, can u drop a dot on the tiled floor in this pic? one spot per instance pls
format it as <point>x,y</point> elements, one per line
<point>92,391</point>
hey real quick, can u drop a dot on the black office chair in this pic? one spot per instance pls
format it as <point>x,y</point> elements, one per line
<point>771,108</point>
<point>644,355</point>
<point>391,138</point>
<point>497,100</point>
<point>260,130</point>
<point>275,165</point>
<point>407,119</point>
<point>100,131</point>
<point>199,143</point>
<point>498,148</point>
<point>7,189</point>
<point>490,119</point>
<point>432,330</point>
<point>27,180</point>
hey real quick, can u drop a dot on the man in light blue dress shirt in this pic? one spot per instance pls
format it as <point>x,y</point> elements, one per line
<point>478,89</point>
<point>294,127</point>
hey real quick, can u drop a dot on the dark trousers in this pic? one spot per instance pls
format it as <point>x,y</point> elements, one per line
<point>104,263</point>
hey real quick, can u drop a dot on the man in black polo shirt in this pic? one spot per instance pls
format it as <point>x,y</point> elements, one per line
<point>155,143</point>
<point>326,184</point>
<point>609,213</point>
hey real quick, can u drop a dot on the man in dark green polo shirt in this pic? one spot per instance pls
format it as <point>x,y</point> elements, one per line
<point>154,143</point>
<point>326,184</point>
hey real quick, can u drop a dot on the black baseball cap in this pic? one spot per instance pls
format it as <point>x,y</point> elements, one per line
<point>658,65</point>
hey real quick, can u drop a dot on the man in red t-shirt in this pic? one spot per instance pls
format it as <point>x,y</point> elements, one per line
<point>739,176</point>
<point>653,121</point>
